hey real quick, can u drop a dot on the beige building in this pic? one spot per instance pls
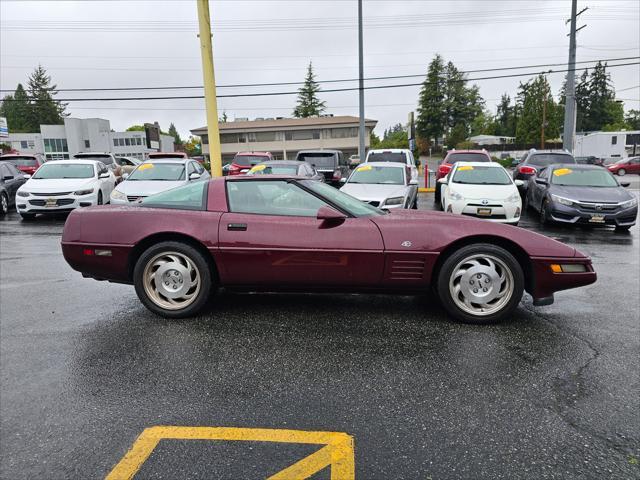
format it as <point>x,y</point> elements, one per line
<point>284,137</point>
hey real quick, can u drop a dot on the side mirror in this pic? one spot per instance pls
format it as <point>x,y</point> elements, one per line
<point>624,184</point>
<point>343,180</point>
<point>519,183</point>
<point>26,176</point>
<point>125,176</point>
<point>541,181</point>
<point>413,181</point>
<point>194,176</point>
<point>442,181</point>
<point>329,214</point>
<point>515,162</point>
<point>104,175</point>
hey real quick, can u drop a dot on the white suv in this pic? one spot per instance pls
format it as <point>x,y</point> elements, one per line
<point>396,155</point>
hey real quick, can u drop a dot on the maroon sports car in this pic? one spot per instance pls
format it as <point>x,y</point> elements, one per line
<point>293,234</point>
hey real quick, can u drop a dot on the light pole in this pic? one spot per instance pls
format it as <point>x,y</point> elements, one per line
<point>361,133</point>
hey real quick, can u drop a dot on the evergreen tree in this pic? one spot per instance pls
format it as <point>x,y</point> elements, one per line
<point>308,103</point>
<point>174,133</point>
<point>632,119</point>
<point>430,121</point>
<point>505,120</point>
<point>16,109</point>
<point>602,107</point>
<point>582,100</point>
<point>44,108</point>
<point>537,104</point>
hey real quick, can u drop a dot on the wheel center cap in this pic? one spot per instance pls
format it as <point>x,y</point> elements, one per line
<point>172,279</point>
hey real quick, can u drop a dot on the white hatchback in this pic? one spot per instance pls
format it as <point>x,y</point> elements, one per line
<point>395,155</point>
<point>62,185</point>
<point>482,190</point>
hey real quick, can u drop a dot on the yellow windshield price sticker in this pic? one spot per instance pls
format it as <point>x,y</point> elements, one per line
<point>364,168</point>
<point>258,168</point>
<point>465,167</point>
<point>562,171</point>
<point>145,166</point>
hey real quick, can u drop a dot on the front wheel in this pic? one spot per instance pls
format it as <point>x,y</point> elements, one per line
<point>100,197</point>
<point>173,279</point>
<point>622,172</point>
<point>480,284</point>
<point>623,228</point>
<point>545,216</point>
<point>4,204</point>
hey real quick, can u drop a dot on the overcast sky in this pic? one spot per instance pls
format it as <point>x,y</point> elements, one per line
<point>98,44</point>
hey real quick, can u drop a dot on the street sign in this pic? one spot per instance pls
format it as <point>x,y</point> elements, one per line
<point>152,133</point>
<point>4,129</point>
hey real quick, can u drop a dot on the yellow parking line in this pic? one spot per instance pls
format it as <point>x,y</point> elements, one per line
<point>338,450</point>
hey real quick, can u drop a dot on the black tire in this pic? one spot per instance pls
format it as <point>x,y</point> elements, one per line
<point>545,217</point>
<point>436,194</point>
<point>100,197</point>
<point>415,203</point>
<point>28,216</point>
<point>4,204</point>
<point>447,270</point>
<point>525,203</point>
<point>622,172</point>
<point>199,261</point>
<point>623,228</point>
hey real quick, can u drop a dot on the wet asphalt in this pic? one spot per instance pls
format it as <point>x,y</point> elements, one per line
<point>552,393</point>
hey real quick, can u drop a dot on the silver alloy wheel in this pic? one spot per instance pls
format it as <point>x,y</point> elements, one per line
<point>481,285</point>
<point>622,172</point>
<point>171,280</point>
<point>5,203</point>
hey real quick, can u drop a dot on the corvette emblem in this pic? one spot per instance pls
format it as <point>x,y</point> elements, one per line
<point>406,243</point>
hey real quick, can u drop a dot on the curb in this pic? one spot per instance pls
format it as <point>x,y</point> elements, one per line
<point>423,190</point>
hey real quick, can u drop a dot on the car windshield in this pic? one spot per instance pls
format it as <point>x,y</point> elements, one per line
<point>481,175</point>
<point>377,175</point>
<point>273,170</point>
<point>387,157</point>
<point>249,160</point>
<point>170,172</point>
<point>546,159</point>
<point>346,202</point>
<point>320,159</point>
<point>466,157</point>
<point>106,159</point>
<point>22,161</point>
<point>61,170</point>
<point>583,178</point>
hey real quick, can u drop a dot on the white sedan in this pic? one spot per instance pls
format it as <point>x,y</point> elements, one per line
<point>483,190</point>
<point>62,185</point>
<point>385,185</point>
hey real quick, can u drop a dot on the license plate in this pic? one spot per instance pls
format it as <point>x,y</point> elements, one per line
<point>485,212</point>
<point>51,202</point>
<point>597,219</point>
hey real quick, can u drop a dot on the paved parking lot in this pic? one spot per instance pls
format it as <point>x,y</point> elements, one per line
<point>552,393</point>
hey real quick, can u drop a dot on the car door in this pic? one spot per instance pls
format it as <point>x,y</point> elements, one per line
<point>105,184</point>
<point>634,165</point>
<point>271,237</point>
<point>538,190</point>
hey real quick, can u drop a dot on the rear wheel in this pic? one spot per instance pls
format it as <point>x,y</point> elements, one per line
<point>100,197</point>
<point>480,283</point>
<point>4,204</point>
<point>173,279</point>
<point>436,194</point>
<point>622,172</point>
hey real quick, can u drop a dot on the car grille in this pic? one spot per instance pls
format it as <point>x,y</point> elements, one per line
<point>495,217</point>
<point>60,202</point>
<point>55,194</point>
<point>488,205</point>
<point>134,198</point>
<point>598,207</point>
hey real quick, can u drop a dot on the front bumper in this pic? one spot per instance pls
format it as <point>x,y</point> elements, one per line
<point>544,282</point>
<point>501,212</point>
<point>577,215</point>
<point>42,203</point>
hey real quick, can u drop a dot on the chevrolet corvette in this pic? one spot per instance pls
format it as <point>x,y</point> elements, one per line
<point>278,233</point>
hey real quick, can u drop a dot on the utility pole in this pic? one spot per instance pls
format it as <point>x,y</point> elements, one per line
<point>569,131</point>
<point>544,121</point>
<point>361,133</point>
<point>206,49</point>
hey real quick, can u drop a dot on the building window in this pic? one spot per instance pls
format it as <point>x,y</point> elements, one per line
<point>87,144</point>
<point>205,139</point>
<point>632,139</point>
<point>343,132</point>
<point>265,136</point>
<point>24,144</point>
<point>127,142</point>
<point>115,142</point>
<point>228,138</point>
<point>302,135</point>
<point>614,140</point>
<point>55,145</point>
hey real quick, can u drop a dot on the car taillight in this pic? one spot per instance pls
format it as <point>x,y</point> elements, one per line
<point>235,169</point>
<point>337,174</point>
<point>527,170</point>
<point>444,169</point>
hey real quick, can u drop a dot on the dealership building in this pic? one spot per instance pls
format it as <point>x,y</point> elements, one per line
<point>76,135</point>
<point>285,137</point>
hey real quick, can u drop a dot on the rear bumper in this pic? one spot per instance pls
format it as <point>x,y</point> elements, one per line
<point>114,267</point>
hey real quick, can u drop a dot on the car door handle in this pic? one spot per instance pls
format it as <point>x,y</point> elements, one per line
<point>237,227</point>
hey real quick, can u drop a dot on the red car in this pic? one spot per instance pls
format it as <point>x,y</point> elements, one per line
<point>624,166</point>
<point>275,233</point>
<point>27,164</point>
<point>452,157</point>
<point>243,161</point>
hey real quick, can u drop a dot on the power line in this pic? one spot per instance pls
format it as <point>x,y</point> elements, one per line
<point>273,84</point>
<point>268,94</point>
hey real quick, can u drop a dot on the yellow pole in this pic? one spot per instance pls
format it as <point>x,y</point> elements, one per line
<point>206,49</point>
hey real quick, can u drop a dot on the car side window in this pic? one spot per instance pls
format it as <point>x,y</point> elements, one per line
<point>13,170</point>
<point>191,168</point>
<point>4,171</point>
<point>107,160</point>
<point>199,168</point>
<point>272,198</point>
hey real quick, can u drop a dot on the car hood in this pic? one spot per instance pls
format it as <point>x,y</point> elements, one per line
<point>592,195</point>
<point>432,232</point>
<point>55,185</point>
<point>366,191</point>
<point>484,192</point>
<point>144,188</point>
